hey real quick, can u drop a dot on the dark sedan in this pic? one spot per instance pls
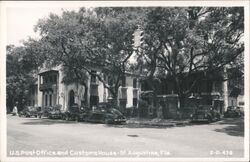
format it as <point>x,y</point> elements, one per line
<point>75,113</point>
<point>205,113</point>
<point>107,116</point>
<point>55,113</point>
<point>44,112</point>
<point>233,112</point>
<point>29,111</point>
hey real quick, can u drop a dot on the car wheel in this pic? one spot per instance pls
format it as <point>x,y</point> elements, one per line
<point>107,121</point>
<point>210,119</point>
<point>218,117</point>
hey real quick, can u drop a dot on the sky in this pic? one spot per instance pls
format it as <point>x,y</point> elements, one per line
<point>21,21</point>
<point>22,16</point>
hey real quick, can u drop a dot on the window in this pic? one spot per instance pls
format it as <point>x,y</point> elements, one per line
<point>54,78</point>
<point>123,81</point>
<point>93,77</point>
<point>135,83</point>
<point>50,100</point>
<point>46,100</point>
<point>94,100</point>
<point>241,103</point>
<point>135,102</point>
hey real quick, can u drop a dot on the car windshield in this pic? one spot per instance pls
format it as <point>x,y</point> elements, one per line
<point>203,108</point>
<point>103,105</point>
<point>74,108</point>
<point>31,109</point>
<point>232,108</point>
<point>114,111</point>
<point>56,109</point>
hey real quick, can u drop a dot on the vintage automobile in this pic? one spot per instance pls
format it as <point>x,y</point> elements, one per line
<point>233,112</point>
<point>241,109</point>
<point>55,112</point>
<point>106,115</point>
<point>44,112</point>
<point>83,113</point>
<point>29,111</point>
<point>76,113</point>
<point>205,113</point>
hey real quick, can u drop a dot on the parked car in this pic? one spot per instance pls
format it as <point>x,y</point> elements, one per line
<point>44,112</point>
<point>83,113</point>
<point>233,112</point>
<point>205,113</point>
<point>107,116</point>
<point>29,111</point>
<point>241,109</point>
<point>74,113</point>
<point>55,112</point>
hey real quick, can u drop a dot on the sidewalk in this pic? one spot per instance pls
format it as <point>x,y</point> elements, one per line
<point>158,122</point>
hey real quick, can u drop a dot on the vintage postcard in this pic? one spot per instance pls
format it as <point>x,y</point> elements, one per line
<point>124,81</point>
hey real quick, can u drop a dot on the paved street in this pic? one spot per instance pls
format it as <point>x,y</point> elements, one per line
<point>60,138</point>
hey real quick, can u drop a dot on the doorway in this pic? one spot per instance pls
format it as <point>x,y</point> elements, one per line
<point>71,98</point>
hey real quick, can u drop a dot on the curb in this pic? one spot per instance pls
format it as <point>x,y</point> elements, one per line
<point>161,124</point>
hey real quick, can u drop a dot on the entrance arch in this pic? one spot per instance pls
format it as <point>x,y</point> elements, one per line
<point>71,98</point>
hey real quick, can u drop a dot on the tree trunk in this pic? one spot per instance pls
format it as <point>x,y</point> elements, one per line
<point>86,95</point>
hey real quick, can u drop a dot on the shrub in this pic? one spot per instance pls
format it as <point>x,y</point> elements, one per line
<point>143,108</point>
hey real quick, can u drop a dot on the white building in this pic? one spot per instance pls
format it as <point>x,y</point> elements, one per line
<point>51,90</point>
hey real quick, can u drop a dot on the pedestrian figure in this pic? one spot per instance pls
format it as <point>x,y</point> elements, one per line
<point>15,111</point>
<point>159,111</point>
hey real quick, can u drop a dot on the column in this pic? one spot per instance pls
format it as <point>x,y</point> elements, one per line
<point>225,90</point>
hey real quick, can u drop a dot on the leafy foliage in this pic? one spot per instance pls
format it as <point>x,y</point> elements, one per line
<point>98,38</point>
<point>19,77</point>
<point>178,43</point>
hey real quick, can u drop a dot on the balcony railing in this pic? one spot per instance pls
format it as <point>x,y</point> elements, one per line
<point>94,82</point>
<point>47,86</point>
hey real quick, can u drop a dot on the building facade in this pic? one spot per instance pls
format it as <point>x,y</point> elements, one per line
<point>52,91</point>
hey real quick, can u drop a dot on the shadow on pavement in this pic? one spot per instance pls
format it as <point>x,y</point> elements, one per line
<point>34,121</point>
<point>136,126</point>
<point>133,125</point>
<point>233,126</point>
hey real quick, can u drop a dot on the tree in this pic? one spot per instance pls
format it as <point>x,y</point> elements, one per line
<point>180,42</point>
<point>89,38</point>
<point>18,78</point>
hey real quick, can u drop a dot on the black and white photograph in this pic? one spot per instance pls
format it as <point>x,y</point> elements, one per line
<point>124,81</point>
